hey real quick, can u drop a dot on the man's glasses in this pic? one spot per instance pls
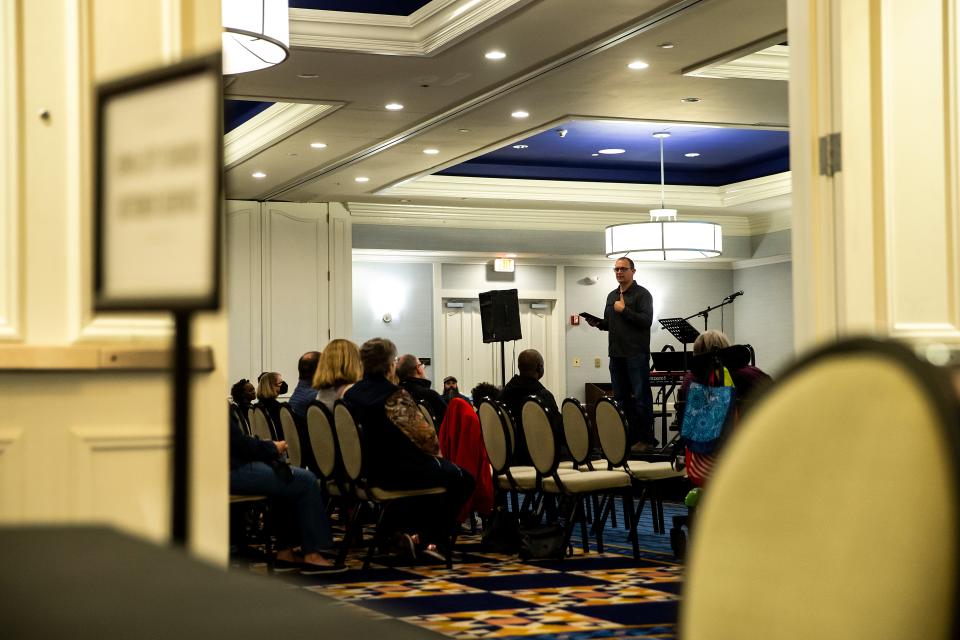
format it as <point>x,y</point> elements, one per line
<point>619,269</point>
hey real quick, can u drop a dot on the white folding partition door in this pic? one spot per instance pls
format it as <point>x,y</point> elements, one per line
<point>472,361</point>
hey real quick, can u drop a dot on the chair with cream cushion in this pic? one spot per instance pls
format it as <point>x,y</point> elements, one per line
<point>349,440</point>
<point>833,510</point>
<point>543,444</point>
<point>260,423</point>
<point>292,436</point>
<point>612,431</point>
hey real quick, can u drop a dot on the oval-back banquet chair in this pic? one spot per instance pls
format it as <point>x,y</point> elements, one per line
<point>833,510</point>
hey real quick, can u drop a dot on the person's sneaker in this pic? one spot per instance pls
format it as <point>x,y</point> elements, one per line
<point>430,551</point>
<point>405,546</point>
<point>310,569</point>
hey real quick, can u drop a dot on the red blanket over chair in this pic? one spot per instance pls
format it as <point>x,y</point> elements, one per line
<point>461,442</point>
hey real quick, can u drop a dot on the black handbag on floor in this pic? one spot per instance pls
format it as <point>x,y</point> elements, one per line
<point>502,534</point>
<point>541,542</point>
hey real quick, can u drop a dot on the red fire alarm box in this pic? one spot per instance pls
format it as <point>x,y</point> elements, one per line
<point>574,320</point>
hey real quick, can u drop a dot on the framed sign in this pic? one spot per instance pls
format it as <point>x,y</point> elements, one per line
<point>158,193</point>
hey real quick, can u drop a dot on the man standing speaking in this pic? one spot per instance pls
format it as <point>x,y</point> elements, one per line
<point>628,316</point>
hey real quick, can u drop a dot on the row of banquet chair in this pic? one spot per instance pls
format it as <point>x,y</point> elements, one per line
<point>334,441</point>
<point>581,478</point>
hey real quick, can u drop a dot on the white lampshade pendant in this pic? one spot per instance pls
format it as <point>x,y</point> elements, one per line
<point>664,237</point>
<point>256,34</point>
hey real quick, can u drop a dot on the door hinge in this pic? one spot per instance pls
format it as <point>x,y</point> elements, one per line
<point>830,154</point>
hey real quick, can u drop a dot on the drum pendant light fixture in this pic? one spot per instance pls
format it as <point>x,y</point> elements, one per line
<point>664,237</point>
<point>256,34</point>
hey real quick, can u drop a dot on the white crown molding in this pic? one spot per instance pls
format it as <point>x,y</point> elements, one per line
<point>737,193</point>
<point>759,262</point>
<point>535,219</point>
<point>772,63</point>
<point>544,259</point>
<point>270,127</point>
<point>631,195</point>
<point>423,33</point>
<point>771,222</point>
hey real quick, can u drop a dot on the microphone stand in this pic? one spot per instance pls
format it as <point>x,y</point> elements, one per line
<point>706,312</point>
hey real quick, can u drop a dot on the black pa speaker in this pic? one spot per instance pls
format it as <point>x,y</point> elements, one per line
<point>500,315</point>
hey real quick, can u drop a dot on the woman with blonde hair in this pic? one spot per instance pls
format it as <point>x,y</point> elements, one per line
<point>339,368</point>
<point>268,389</point>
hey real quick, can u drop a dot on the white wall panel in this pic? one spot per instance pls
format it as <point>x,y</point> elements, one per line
<point>243,289</point>
<point>341,271</point>
<point>103,462</point>
<point>58,50</point>
<point>919,170</point>
<point>295,292</point>
<point>12,468</point>
<point>10,273</point>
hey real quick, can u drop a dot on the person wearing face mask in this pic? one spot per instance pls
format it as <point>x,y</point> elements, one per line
<point>271,385</point>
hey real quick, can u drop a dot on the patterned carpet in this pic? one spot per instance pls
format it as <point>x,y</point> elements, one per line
<point>489,595</point>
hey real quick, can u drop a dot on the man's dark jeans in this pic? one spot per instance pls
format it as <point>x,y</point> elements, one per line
<point>631,388</point>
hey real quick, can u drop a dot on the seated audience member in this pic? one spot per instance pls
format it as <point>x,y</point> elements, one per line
<point>461,442</point>
<point>303,393</point>
<point>338,370</point>
<point>518,390</point>
<point>747,379</point>
<point>451,390</point>
<point>256,468</point>
<point>283,383</point>
<point>412,379</point>
<point>484,391</point>
<point>401,451</point>
<point>243,394</point>
<point>267,392</point>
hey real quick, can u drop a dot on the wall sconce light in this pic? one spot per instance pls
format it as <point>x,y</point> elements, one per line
<point>504,265</point>
<point>387,318</point>
<point>590,280</point>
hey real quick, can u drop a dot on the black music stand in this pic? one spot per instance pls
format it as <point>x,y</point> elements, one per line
<point>683,331</point>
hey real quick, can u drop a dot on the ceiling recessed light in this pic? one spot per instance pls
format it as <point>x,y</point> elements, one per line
<point>638,64</point>
<point>495,55</point>
<point>611,152</point>
<point>519,114</point>
<point>692,154</point>
<point>393,106</point>
<point>464,130</point>
<point>318,145</point>
<point>666,45</point>
<point>431,152</point>
<point>520,146</point>
<point>259,175</point>
<point>361,179</point>
<point>308,76</point>
<point>594,155</point>
<point>690,99</point>
<point>404,201</point>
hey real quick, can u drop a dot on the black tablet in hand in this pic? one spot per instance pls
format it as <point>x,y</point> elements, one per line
<point>589,317</point>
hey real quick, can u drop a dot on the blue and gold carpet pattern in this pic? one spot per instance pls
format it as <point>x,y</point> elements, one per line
<point>490,595</point>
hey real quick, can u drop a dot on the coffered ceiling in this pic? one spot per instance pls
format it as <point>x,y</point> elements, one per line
<point>566,66</point>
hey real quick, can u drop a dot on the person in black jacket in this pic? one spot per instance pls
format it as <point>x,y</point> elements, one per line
<point>628,316</point>
<point>412,379</point>
<point>256,468</point>
<point>518,390</point>
<point>400,450</point>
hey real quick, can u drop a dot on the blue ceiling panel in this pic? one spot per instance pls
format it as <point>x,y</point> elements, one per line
<point>236,112</point>
<point>386,7</point>
<point>726,154</point>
